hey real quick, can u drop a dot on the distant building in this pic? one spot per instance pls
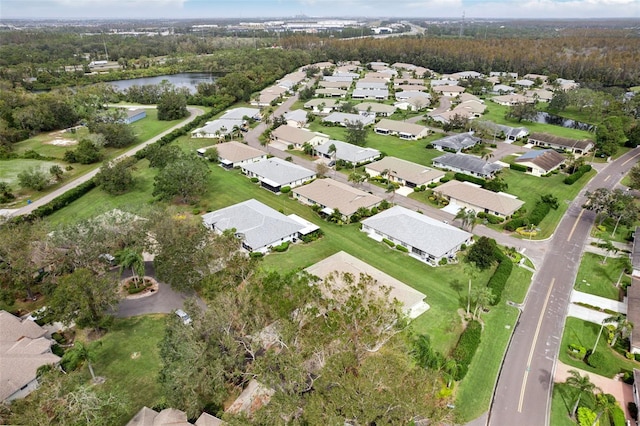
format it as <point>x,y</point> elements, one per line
<point>134,114</point>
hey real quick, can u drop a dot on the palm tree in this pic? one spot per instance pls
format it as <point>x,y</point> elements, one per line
<point>608,248</point>
<point>582,384</point>
<point>83,353</point>
<point>467,217</point>
<point>605,403</point>
<point>333,152</point>
<point>623,326</point>
<point>483,297</point>
<point>391,188</point>
<point>130,258</point>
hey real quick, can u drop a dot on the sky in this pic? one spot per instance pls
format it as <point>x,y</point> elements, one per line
<point>246,9</point>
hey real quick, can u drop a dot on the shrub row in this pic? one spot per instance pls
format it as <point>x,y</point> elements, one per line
<point>499,279</point>
<point>282,247</point>
<point>389,242</point>
<point>466,178</point>
<point>518,167</point>
<point>516,223</point>
<point>492,219</point>
<point>571,179</point>
<point>539,212</point>
<point>402,248</point>
<point>576,351</point>
<point>466,348</point>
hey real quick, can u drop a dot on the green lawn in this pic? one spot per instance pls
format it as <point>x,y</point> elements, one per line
<point>623,233</point>
<point>10,169</point>
<point>496,114</point>
<point>584,333</point>
<point>129,358</point>
<point>391,145</point>
<point>596,278</point>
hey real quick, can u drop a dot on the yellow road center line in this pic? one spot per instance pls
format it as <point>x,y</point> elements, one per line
<point>533,346</point>
<point>575,224</point>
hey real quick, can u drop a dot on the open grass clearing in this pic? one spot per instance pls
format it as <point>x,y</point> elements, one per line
<point>10,169</point>
<point>584,333</point>
<point>598,279</point>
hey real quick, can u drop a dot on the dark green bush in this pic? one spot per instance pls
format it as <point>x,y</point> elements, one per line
<point>595,359</point>
<point>540,210</point>
<point>576,351</point>
<point>617,417</point>
<point>571,179</point>
<point>285,189</point>
<point>518,167</point>
<point>466,348</point>
<point>256,255</point>
<point>492,219</point>
<point>282,247</point>
<point>466,178</point>
<point>633,410</point>
<point>499,279</point>
<point>402,248</point>
<point>312,236</point>
<point>389,242</point>
<point>255,180</point>
<point>444,179</point>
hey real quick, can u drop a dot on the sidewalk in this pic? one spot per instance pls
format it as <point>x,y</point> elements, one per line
<point>622,391</point>
<point>601,302</point>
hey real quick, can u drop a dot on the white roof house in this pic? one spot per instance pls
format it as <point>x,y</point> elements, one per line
<point>331,92</point>
<point>257,225</point>
<point>323,106</point>
<point>512,99</point>
<point>404,172</point>
<point>216,128</point>
<point>412,300</point>
<point>378,94</point>
<point>343,118</point>
<point>23,349</point>
<point>376,108</point>
<point>403,130</point>
<point>369,85</point>
<point>234,154</point>
<point>274,173</point>
<point>296,118</point>
<point>350,153</point>
<point>450,91</point>
<point>427,239</point>
<point>242,113</point>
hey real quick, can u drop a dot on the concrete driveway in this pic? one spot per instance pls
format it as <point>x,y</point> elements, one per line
<point>163,301</point>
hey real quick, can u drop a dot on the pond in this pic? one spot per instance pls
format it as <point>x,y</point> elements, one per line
<point>190,80</point>
<point>544,117</point>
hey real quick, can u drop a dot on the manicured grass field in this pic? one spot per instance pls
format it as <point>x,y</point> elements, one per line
<point>496,114</point>
<point>129,358</point>
<point>584,333</point>
<point>391,145</point>
<point>10,169</point>
<point>596,278</point>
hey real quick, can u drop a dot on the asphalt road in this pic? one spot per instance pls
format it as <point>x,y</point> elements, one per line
<point>523,393</point>
<point>194,112</point>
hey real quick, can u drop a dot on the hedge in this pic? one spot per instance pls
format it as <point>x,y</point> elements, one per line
<point>518,167</point>
<point>516,223</point>
<point>282,247</point>
<point>402,248</point>
<point>466,178</point>
<point>501,275</point>
<point>389,242</point>
<point>571,179</point>
<point>466,348</point>
<point>540,210</point>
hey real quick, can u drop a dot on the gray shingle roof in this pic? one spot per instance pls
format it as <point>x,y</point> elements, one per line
<point>348,152</point>
<point>429,235</point>
<point>457,142</point>
<point>260,224</point>
<point>468,163</point>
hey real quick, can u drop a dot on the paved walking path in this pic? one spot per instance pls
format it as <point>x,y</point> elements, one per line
<point>601,302</point>
<point>622,391</point>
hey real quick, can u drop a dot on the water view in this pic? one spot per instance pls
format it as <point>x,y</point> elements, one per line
<point>190,80</point>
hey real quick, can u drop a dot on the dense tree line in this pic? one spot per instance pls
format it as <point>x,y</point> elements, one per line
<point>605,56</point>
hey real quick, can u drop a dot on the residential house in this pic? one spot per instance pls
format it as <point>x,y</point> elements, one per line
<point>542,95</point>
<point>456,142</point>
<point>235,154</point>
<point>633,314</point>
<point>349,153</point>
<point>323,106</point>
<point>541,162</point>
<point>472,109</point>
<point>171,417</point>
<point>23,350</point>
<point>448,116</point>
<point>404,172</point>
<point>258,226</point>
<point>332,196</point>
<point>338,78</point>
<point>334,84</point>
<point>342,118</point>
<point>296,118</point>
<point>449,91</point>
<point>410,87</point>
<point>464,75</point>
<point>408,81</point>
<point>134,114</point>
<point>502,89</point>
<point>443,82</point>
<point>274,174</point>
<point>574,146</point>
<point>381,75</point>
<point>564,84</point>
<point>508,133</point>
<point>346,74</point>
<point>410,94</point>
<point>331,93</point>
<point>426,239</point>
<point>375,94</point>
<point>402,129</point>
<point>524,83</point>
<point>288,135</point>
<point>512,99</point>
<point>422,72</point>
<point>413,104</point>
<point>217,128</point>
<point>269,95</point>
<point>380,110</point>
<point>467,164</point>
<point>365,85</point>
<point>242,114</point>
<point>413,304</point>
<point>464,97</point>
<point>542,77</point>
<point>513,75</point>
<point>471,196</point>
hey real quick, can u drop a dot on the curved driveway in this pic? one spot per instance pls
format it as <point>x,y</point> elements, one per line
<point>194,112</point>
